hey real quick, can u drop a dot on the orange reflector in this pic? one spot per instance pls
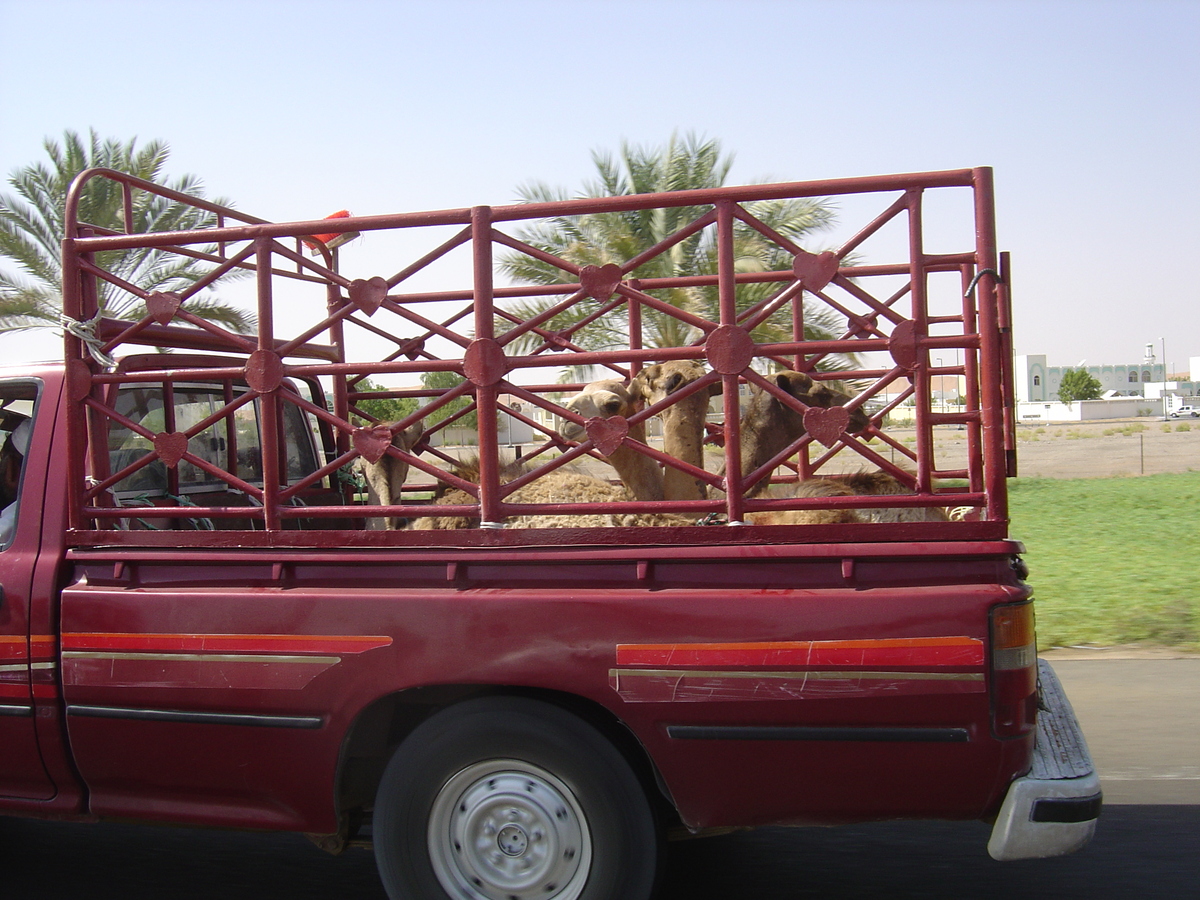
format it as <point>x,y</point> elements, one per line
<point>1014,638</point>
<point>333,239</point>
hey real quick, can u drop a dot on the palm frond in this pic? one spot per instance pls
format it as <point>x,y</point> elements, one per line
<point>32,227</point>
<point>686,162</point>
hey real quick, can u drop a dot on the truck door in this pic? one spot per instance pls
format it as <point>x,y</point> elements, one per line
<point>24,658</point>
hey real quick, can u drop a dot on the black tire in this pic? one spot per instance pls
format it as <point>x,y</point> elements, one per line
<point>507,798</point>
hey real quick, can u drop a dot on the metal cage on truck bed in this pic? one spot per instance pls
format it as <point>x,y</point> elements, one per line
<point>249,439</point>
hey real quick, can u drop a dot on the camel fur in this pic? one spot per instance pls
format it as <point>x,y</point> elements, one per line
<point>683,421</point>
<point>873,484</point>
<point>559,486</point>
<point>858,484</point>
<point>385,477</point>
<point>768,426</point>
<point>640,474</point>
<point>812,487</point>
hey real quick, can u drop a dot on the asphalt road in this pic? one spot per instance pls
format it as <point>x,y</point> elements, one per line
<point>1143,724</point>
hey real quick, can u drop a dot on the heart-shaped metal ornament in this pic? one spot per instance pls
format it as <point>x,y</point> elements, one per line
<point>607,435</point>
<point>815,270</point>
<point>826,425</point>
<point>371,443</point>
<point>368,295</point>
<point>599,282</point>
<point>162,306</point>
<point>170,447</point>
<point>904,345</point>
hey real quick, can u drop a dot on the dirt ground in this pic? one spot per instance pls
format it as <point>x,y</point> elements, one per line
<point>1089,449</point>
<point>1099,449</point>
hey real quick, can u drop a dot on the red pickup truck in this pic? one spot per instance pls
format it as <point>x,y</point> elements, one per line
<point>517,667</point>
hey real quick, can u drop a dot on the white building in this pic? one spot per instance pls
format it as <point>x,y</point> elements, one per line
<point>1036,381</point>
<point>1130,390</point>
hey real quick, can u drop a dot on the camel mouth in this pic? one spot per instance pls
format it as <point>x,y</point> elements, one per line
<point>859,422</point>
<point>572,432</point>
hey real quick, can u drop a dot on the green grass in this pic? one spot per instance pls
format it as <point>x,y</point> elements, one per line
<point>1112,560</point>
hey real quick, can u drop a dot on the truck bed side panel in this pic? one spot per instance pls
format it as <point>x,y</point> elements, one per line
<point>831,700</point>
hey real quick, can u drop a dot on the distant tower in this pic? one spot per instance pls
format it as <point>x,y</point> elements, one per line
<point>1148,359</point>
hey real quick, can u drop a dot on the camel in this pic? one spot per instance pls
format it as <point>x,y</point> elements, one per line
<point>683,421</point>
<point>812,487</point>
<point>559,486</point>
<point>640,474</point>
<point>768,426</point>
<point>385,477</point>
<point>873,484</point>
<point>858,484</point>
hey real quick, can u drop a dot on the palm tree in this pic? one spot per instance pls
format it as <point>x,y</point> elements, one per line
<point>32,226</point>
<point>596,239</point>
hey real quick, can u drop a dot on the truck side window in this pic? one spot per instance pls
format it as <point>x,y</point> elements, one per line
<point>232,443</point>
<point>16,428</point>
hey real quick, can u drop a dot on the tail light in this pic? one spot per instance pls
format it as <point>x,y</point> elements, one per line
<point>1014,670</point>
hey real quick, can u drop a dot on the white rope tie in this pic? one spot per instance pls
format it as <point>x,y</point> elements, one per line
<point>86,332</point>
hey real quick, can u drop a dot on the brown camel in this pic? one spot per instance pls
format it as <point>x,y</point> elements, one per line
<point>859,484</point>
<point>683,421</point>
<point>812,487</point>
<point>385,477</point>
<point>878,483</point>
<point>559,486</point>
<point>610,399</point>
<point>768,426</point>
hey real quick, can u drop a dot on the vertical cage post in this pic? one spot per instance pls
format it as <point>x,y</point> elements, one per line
<point>270,398</point>
<point>918,283</point>
<point>991,390</point>
<point>727,300</point>
<point>483,368</point>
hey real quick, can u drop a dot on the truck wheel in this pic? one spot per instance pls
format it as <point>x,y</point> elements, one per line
<point>506,798</point>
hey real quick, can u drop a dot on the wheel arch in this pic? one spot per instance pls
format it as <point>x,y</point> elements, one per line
<point>383,725</point>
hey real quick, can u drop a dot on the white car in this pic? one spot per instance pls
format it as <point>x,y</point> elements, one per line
<point>1185,411</point>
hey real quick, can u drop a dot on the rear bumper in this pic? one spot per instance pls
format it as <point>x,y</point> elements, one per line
<point>1052,810</point>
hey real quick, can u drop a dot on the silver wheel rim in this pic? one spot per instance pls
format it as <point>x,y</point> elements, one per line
<point>509,830</point>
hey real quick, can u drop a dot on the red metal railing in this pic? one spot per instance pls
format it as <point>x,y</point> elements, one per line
<point>896,330</point>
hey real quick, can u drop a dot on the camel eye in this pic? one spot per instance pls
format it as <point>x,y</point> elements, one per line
<point>611,407</point>
<point>673,383</point>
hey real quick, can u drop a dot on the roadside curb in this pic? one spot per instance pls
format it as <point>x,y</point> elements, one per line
<point>1119,652</point>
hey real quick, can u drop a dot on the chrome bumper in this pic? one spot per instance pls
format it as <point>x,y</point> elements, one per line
<point>1052,810</point>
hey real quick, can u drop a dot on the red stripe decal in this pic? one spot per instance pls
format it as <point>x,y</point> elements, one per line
<point>683,686</point>
<point>12,648</point>
<point>937,651</point>
<point>224,643</point>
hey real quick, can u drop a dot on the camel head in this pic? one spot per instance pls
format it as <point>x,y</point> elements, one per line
<point>765,407</point>
<point>385,478</point>
<point>683,421</point>
<point>600,399</point>
<point>768,426</point>
<point>655,383</point>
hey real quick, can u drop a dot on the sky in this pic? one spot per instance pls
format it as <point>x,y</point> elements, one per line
<point>1088,113</point>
